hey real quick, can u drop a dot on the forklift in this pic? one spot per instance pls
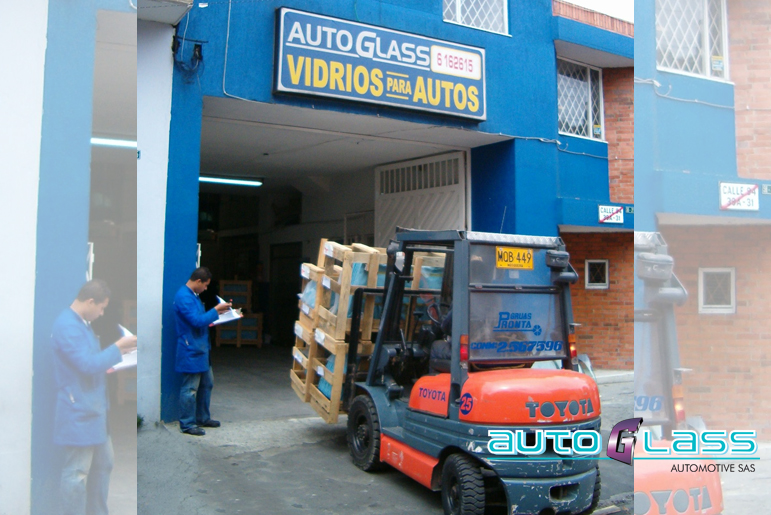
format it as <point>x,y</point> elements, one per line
<point>658,390</point>
<point>451,364</point>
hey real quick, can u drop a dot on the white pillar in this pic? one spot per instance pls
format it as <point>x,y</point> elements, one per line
<point>154,80</point>
<point>23,29</point>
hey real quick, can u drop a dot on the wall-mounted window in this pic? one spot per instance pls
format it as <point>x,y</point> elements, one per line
<point>691,37</point>
<point>717,290</point>
<point>597,274</point>
<point>490,15</point>
<point>579,100</point>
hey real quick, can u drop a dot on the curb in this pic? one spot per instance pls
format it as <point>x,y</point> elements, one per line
<point>626,376</point>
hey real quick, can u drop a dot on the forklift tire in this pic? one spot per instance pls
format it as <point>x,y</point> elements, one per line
<point>363,434</point>
<point>463,487</point>
<point>595,496</point>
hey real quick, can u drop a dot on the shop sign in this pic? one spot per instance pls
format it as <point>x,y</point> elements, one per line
<point>330,57</point>
<point>611,214</point>
<point>738,197</point>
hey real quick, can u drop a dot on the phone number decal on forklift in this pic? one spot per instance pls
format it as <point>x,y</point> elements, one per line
<point>530,346</point>
<point>514,258</point>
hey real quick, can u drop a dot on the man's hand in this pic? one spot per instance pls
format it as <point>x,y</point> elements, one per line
<point>223,307</point>
<point>127,344</point>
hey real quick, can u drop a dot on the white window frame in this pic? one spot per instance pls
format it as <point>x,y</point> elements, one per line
<point>705,46</point>
<point>717,310</point>
<point>596,286</point>
<point>601,139</point>
<point>458,17</point>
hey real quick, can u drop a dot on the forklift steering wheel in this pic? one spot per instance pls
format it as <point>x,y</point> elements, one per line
<point>434,319</point>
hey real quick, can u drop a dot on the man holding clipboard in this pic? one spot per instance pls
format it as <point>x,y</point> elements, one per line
<point>192,322</point>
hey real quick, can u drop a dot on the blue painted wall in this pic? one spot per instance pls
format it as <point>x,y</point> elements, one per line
<point>63,213</point>
<point>181,225</point>
<point>685,137</point>
<point>524,177</point>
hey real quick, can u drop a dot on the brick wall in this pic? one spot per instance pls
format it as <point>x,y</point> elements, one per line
<point>583,15</point>
<point>730,354</point>
<point>607,316</point>
<point>749,31</point>
<point>618,95</point>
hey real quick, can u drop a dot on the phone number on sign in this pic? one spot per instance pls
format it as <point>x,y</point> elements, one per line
<point>538,346</point>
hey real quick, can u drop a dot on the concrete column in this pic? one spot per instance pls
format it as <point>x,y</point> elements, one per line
<point>155,69</point>
<point>23,28</point>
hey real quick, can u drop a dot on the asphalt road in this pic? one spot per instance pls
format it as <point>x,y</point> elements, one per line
<point>274,456</point>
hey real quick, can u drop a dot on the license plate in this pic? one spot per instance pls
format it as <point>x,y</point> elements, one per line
<point>514,258</point>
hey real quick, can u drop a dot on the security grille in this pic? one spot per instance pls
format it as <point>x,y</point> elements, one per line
<point>691,36</point>
<point>597,274</point>
<point>716,290</point>
<point>489,15</point>
<point>418,176</point>
<point>579,91</point>
<point>428,193</point>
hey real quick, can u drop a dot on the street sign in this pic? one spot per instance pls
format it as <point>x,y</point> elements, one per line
<point>611,214</point>
<point>739,197</point>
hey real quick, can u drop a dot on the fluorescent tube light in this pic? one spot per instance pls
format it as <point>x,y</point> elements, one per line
<point>234,182</point>
<point>109,142</point>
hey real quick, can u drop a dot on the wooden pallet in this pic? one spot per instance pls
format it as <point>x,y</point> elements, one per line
<point>338,261</point>
<point>320,334</point>
<point>303,353</point>
<point>326,347</point>
<point>247,331</point>
<point>309,315</point>
<point>240,292</point>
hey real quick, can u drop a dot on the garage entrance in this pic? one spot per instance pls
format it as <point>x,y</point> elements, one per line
<point>325,174</point>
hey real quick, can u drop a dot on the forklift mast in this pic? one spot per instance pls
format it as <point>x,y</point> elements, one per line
<point>658,375</point>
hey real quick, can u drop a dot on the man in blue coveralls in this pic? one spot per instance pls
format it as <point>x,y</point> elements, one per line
<point>193,353</point>
<point>81,401</point>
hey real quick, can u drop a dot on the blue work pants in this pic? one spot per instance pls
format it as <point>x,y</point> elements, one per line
<point>85,480</point>
<point>194,399</point>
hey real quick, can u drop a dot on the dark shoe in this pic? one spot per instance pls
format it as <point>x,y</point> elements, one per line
<point>211,423</point>
<point>195,431</point>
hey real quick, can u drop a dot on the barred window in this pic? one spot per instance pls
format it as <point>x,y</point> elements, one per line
<point>491,15</point>
<point>691,37</point>
<point>597,274</point>
<point>579,100</point>
<point>717,290</point>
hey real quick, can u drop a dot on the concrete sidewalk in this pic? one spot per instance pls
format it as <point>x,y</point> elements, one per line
<point>614,376</point>
<point>274,455</point>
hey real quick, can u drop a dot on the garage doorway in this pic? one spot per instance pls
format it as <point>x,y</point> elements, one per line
<point>427,193</point>
<point>285,262</point>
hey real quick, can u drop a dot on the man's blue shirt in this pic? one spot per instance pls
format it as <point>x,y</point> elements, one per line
<point>80,365</point>
<point>192,322</point>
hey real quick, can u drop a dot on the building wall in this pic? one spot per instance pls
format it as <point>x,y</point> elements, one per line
<point>749,24</point>
<point>606,316</point>
<point>20,132</point>
<point>521,102</point>
<point>730,355</point>
<point>596,19</point>
<point>154,74</point>
<point>618,93</point>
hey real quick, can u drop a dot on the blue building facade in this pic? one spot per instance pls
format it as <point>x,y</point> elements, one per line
<point>702,180</point>
<point>525,174</point>
<point>685,135</point>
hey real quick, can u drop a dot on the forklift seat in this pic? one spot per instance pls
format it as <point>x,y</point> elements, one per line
<point>441,356</point>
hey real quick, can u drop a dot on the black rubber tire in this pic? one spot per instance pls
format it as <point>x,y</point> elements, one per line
<point>463,487</point>
<point>363,434</point>
<point>595,495</point>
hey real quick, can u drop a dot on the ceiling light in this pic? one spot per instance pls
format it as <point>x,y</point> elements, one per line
<point>110,142</point>
<point>234,182</point>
